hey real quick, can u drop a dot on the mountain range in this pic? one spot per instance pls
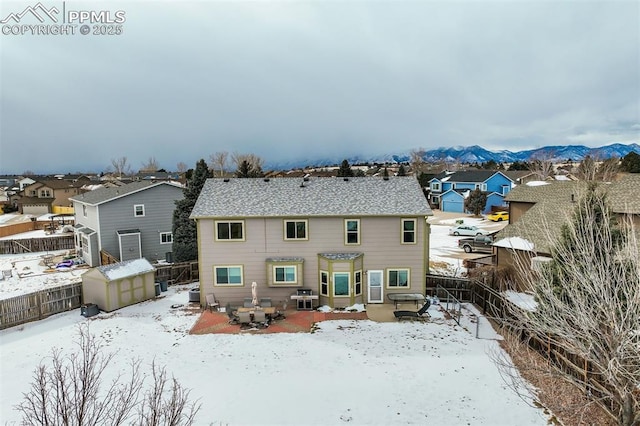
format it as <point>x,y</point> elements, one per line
<point>478,154</point>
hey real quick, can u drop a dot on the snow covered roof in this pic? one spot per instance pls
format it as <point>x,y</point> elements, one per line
<point>126,269</point>
<point>515,243</point>
<point>106,194</point>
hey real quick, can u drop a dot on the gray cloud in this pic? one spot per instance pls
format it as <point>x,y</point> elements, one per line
<point>289,80</point>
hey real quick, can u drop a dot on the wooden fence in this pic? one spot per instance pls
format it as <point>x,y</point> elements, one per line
<point>27,245</point>
<point>41,304</point>
<point>178,273</point>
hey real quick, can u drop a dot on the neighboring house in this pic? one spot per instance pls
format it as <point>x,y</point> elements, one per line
<point>127,222</point>
<point>349,240</point>
<point>539,209</point>
<point>44,196</point>
<point>448,190</point>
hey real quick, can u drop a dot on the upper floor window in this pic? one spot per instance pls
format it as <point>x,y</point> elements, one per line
<point>230,230</point>
<point>33,193</point>
<point>84,210</point>
<point>45,193</point>
<point>409,231</point>
<point>138,210</point>
<point>352,231</point>
<point>436,186</point>
<point>295,229</point>
<point>166,238</point>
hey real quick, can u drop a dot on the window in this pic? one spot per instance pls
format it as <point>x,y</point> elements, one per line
<point>398,278</point>
<point>435,186</point>
<point>340,283</point>
<point>84,210</point>
<point>483,187</point>
<point>409,231</point>
<point>357,284</point>
<point>230,230</point>
<point>324,283</point>
<point>352,231</point>
<point>166,238</point>
<point>284,275</point>
<point>227,275</point>
<point>138,210</point>
<point>45,193</point>
<point>295,229</point>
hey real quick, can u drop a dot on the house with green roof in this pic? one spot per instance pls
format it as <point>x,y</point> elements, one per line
<point>538,210</point>
<point>345,240</point>
<point>126,222</point>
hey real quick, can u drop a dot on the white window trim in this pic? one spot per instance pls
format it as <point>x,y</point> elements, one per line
<point>215,276</point>
<point>306,229</point>
<point>166,233</point>
<point>415,231</point>
<point>346,232</point>
<point>389,286</point>
<point>135,210</point>
<point>436,186</point>
<point>295,274</point>
<point>483,187</point>
<point>326,273</point>
<point>215,230</point>
<point>355,283</point>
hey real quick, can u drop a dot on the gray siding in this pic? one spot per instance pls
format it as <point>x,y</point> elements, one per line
<point>118,214</point>
<point>380,243</point>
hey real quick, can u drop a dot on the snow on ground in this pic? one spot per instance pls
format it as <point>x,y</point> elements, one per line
<point>358,372</point>
<point>523,300</point>
<point>347,371</point>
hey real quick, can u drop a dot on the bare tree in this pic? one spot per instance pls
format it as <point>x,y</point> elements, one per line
<point>588,305</point>
<point>250,162</point>
<point>151,165</point>
<point>218,161</point>
<point>542,165</point>
<point>587,169</point>
<point>182,167</point>
<point>416,160</point>
<point>70,391</point>
<point>121,166</point>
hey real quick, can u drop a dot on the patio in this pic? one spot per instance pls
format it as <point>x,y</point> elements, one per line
<point>295,321</point>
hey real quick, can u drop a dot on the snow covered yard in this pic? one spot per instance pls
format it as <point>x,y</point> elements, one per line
<point>358,372</point>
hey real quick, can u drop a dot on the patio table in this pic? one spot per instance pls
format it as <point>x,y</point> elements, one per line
<point>406,297</point>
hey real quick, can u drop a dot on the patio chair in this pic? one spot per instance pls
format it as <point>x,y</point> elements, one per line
<point>233,318</point>
<point>211,302</point>
<point>248,302</point>
<point>244,318</point>
<point>421,314</point>
<point>265,302</point>
<point>260,318</point>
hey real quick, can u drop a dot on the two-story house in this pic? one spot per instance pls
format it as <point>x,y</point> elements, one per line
<point>48,195</point>
<point>449,190</point>
<point>127,222</point>
<point>349,240</point>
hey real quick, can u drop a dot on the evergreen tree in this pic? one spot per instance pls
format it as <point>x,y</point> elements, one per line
<point>385,173</point>
<point>476,202</point>
<point>630,163</point>
<point>401,170</point>
<point>345,169</point>
<point>247,169</point>
<point>185,238</point>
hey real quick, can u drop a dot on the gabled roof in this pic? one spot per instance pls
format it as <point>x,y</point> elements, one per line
<point>286,197</point>
<point>474,176</point>
<point>128,268</point>
<point>103,195</point>
<point>554,203</point>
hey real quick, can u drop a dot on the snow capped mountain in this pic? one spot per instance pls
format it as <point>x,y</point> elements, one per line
<point>473,154</point>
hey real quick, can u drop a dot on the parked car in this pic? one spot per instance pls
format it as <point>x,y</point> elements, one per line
<point>481,243</point>
<point>469,230</point>
<point>498,216</point>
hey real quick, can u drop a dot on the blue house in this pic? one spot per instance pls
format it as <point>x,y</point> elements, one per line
<point>449,189</point>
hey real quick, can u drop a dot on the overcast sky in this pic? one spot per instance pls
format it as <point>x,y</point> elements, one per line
<point>305,79</point>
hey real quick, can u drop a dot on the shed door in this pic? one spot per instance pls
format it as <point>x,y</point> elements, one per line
<point>375,286</point>
<point>130,247</point>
